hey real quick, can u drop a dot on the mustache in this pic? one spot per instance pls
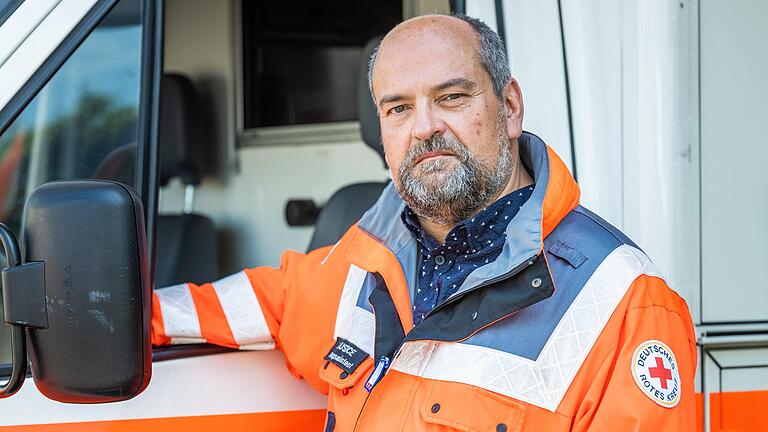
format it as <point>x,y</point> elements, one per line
<point>433,144</point>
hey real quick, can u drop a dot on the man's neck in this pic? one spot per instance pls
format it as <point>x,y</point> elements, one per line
<point>519,178</point>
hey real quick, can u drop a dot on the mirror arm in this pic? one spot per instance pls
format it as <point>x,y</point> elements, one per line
<point>18,339</point>
<point>10,246</point>
<point>19,363</point>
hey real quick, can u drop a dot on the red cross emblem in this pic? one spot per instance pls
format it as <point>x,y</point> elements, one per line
<point>652,361</point>
<point>660,372</point>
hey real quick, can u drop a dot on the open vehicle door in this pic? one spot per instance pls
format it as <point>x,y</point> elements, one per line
<point>79,99</point>
<point>76,289</point>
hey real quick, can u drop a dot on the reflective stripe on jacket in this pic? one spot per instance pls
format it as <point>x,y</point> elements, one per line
<point>571,328</point>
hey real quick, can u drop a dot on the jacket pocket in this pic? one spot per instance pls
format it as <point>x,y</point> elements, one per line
<point>472,409</point>
<point>339,379</point>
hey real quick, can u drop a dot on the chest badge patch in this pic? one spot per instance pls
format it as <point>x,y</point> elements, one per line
<point>346,355</point>
<point>656,373</point>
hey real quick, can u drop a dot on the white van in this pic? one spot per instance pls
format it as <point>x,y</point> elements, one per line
<point>236,122</point>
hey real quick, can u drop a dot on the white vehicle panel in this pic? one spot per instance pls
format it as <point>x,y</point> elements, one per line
<point>593,50</point>
<point>734,179</point>
<point>21,23</point>
<point>228,383</point>
<point>484,10</point>
<point>536,60</point>
<point>16,70</point>
<point>660,161</point>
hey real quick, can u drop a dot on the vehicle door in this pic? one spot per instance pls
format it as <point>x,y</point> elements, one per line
<point>79,95</point>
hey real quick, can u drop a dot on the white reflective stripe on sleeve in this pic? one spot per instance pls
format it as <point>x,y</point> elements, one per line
<point>179,314</point>
<point>241,307</point>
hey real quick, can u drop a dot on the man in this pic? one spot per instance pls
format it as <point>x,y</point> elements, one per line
<point>476,294</point>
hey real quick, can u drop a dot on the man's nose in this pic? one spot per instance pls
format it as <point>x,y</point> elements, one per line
<point>426,123</point>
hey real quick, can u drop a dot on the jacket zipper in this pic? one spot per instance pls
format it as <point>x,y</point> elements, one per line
<point>520,267</point>
<point>365,402</point>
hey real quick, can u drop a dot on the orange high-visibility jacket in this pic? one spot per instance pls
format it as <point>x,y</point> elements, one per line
<point>571,328</point>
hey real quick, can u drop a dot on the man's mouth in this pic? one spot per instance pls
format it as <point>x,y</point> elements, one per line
<point>432,155</point>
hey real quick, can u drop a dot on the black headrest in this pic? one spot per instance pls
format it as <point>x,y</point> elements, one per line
<point>369,119</point>
<point>181,131</point>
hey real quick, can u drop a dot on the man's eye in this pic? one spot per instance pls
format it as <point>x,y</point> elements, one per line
<point>453,98</point>
<point>398,109</point>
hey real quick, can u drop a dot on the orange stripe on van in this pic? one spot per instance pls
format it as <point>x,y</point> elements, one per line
<point>699,412</point>
<point>738,411</point>
<point>310,420</point>
<point>734,411</point>
<point>731,411</point>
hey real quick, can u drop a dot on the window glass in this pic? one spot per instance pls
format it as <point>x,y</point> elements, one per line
<point>82,124</point>
<point>301,59</point>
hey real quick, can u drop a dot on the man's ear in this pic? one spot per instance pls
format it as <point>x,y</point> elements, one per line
<point>513,109</point>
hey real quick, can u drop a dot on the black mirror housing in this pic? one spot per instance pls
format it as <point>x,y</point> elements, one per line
<point>91,238</point>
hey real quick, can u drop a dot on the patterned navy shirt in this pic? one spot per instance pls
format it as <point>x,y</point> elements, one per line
<point>470,244</point>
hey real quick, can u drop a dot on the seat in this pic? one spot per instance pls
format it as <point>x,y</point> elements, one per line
<point>186,250</point>
<point>186,243</point>
<point>347,205</point>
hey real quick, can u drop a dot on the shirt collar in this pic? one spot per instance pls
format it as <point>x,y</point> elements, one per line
<point>470,234</point>
<point>555,194</point>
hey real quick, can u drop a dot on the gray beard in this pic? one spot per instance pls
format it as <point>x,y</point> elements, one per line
<point>449,197</point>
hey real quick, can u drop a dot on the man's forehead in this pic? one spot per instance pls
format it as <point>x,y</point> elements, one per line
<point>429,49</point>
<point>441,26</point>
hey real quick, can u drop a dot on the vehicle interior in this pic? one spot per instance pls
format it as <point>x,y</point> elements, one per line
<point>298,157</point>
<point>268,138</point>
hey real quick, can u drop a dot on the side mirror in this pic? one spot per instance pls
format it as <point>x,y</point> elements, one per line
<point>81,297</point>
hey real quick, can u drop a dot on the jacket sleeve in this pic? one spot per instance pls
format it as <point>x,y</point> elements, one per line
<point>647,382</point>
<point>291,307</point>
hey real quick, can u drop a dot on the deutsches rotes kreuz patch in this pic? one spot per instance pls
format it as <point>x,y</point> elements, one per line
<point>656,373</point>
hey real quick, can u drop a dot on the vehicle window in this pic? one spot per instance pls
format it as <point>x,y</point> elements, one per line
<point>82,124</point>
<point>301,58</point>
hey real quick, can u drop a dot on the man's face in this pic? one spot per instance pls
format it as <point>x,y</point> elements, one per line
<point>446,134</point>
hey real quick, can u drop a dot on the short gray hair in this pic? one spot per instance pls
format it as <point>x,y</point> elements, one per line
<point>493,56</point>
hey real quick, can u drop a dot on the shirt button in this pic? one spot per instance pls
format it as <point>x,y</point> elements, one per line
<point>536,283</point>
<point>501,427</point>
<point>439,260</point>
<point>435,407</point>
